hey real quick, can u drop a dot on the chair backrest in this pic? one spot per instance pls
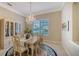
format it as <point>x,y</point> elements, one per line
<point>16,42</point>
<point>41,40</point>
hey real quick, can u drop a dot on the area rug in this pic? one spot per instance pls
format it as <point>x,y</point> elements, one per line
<point>49,51</point>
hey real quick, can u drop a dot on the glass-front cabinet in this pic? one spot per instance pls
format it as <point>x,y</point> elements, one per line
<point>12,28</point>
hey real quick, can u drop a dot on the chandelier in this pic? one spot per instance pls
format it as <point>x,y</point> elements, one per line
<point>30,17</point>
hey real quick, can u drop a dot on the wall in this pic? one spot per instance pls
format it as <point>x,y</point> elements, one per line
<point>11,16</point>
<point>54,19</point>
<point>76,22</point>
<point>67,36</point>
<point>7,15</point>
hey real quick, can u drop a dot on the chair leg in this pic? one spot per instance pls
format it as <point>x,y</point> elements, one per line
<point>28,52</point>
<point>32,51</point>
<point>36,51</point>
<point>20,54</point>
<point>14,53</point>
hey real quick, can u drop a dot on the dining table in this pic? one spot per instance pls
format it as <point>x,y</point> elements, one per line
<point>31,41</point>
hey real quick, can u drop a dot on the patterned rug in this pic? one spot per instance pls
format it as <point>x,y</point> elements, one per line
<point>45,49</point>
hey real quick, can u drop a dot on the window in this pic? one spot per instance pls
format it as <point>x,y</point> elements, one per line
<point>40,27</point>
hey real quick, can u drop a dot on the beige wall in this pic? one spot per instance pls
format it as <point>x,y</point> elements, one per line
<point>67,36</point>
<point>54,19</point>
<point>76,22</point>
<point>11,16</point>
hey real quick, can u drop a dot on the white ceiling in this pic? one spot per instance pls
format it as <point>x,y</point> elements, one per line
<point>36,7</point>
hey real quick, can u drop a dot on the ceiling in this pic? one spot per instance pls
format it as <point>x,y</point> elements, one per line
<point>23,8</point>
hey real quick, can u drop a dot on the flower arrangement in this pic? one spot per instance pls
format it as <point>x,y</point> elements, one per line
<point>27,30</point>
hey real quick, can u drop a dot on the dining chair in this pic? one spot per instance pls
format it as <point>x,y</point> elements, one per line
<point>31,45</point>
<point>40,42</point>
<point>37,45</point>
<point>17,47</point>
